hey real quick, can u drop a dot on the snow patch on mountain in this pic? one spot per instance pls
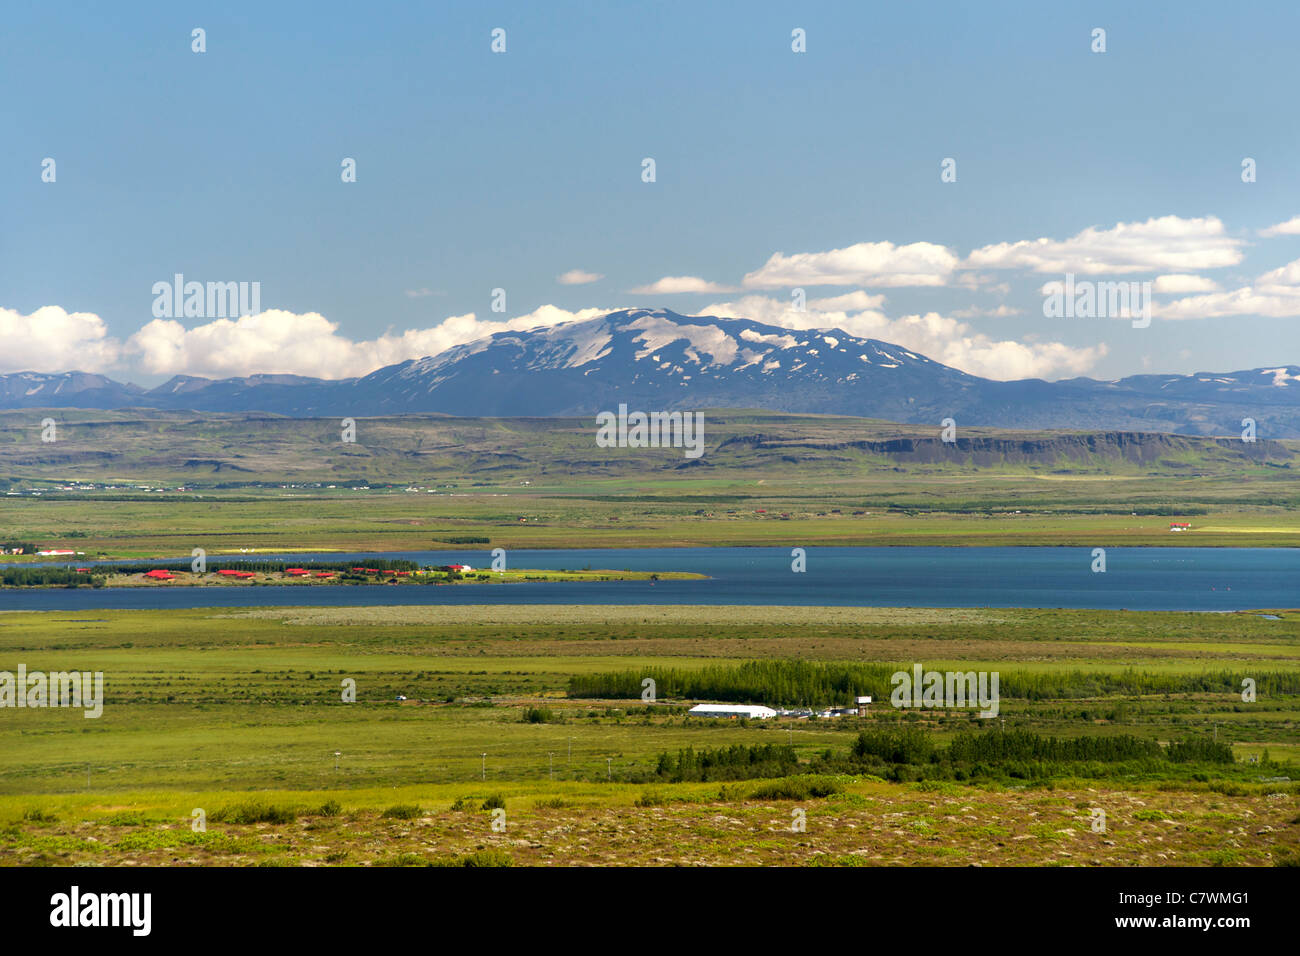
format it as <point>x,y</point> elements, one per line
<point>658,331</point>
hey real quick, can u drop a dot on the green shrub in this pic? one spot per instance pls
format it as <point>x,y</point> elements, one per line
<point>255,812</point>
<point>478,858</point>
<point>553,803</point>
<point>795,788</point>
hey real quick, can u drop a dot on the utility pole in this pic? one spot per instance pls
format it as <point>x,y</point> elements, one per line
<point>552,759</point>
<point>484,766</point>
<point>609,767</point>
<point>570,750</point>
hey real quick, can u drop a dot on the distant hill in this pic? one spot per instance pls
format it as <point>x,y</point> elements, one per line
<point>221,449</point>
<point>655,360</point>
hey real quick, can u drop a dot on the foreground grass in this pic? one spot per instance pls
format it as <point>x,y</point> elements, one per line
<point>866,823</point>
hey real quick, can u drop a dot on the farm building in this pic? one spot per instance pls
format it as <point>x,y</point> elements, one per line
<point>1180,526</point>
<point>732,710</point>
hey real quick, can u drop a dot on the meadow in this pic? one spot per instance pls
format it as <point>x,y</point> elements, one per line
<point>240,713</point>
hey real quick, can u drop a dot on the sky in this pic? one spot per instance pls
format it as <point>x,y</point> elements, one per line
<point>524,171</point>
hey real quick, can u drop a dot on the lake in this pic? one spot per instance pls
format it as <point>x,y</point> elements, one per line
<point>1150,579</point>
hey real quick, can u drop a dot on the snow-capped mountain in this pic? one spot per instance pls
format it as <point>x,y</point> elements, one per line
<point>65,390</point>
<point>660,360</point>
<point>663,360</point>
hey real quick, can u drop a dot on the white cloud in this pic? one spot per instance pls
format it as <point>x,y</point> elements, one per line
<point>51,340</point>
<point>1169,243</point>
<point>976,312</point>
<point>1182,284</point>
<point>1289,228</point>
<point>1275,294</point>
<point>578,277</point>
<point>673,285</point>
<point>420,293</point>
<point>941,338</point>
<point>286,343</point>
<point>880,264</point>
<point>852,301</point>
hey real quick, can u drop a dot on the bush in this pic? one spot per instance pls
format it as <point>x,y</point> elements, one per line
<point>553,803</point>
<point>403,811</point>
<point>478,858</point>
<point>795,788</point>
<point>330,808</point>
<point>494,802</point>
<point>255,812</point>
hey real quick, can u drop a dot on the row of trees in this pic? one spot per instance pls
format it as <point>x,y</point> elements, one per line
<point>911,745</point>
<point>727,763</point>
<point>813,683</point>
<point>17,577</point>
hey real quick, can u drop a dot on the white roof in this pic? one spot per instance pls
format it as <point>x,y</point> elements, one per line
<point>740,710</point>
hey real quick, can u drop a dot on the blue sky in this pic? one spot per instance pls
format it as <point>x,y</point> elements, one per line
<point>478,171</point>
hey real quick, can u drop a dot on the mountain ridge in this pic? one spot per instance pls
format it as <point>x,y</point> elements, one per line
<point>659,359</point>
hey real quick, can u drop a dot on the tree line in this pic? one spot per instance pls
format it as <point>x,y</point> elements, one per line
<point>815,683</point>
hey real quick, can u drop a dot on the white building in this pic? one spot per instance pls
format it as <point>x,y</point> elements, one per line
<point>732,710</point>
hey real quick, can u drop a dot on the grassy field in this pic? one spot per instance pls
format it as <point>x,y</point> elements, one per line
<point>109,486</point>
<point>239,713</point>
<point>171,526</point>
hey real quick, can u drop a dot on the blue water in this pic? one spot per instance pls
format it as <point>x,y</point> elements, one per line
<point>1152,579</point>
